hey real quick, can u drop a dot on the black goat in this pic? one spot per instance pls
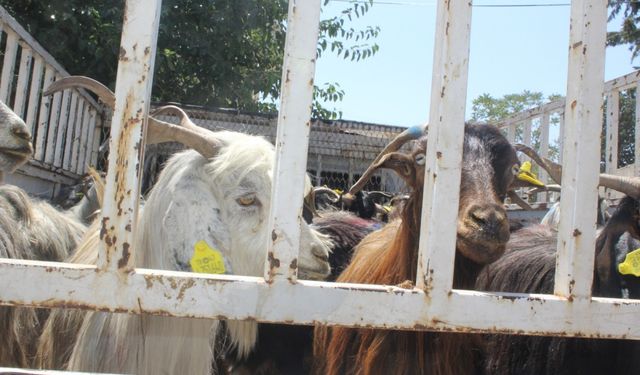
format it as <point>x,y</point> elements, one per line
<point>287,349</point>
<point>528,266</point>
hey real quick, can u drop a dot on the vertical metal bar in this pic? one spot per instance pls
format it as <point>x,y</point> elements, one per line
<point>43,119</point>
<point>93,161</point>
<point>444,147</point>
<point>133,90</point>
<point>292,140</point>
<point>52,131</point>
<point>22,87</point>
<point>8,67</point>
<point>611,135</point>
<point>82,144</point>
<point>77,132</point>
<point>68,144</point>
<point>81,137</point>
<point>90,141</point>
<point>63,128</point>
<point>34,93</point>
<point>544,151</point>
<point>583,116</point>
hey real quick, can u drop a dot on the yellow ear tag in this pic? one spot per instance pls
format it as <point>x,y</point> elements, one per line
<point>631,264</point>
<point>525,174</point>
<point>206,259</point>
<point>386,208</point>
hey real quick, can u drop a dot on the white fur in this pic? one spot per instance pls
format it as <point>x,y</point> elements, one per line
<point>195,199</point>
<point>15,144</point>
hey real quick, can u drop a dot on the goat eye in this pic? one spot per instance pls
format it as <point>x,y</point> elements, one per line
<point>246,200</point>
<point>420,159</point>
<point>516,169</point>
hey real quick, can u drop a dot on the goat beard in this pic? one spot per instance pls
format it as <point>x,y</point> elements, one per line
<point>480,251</point>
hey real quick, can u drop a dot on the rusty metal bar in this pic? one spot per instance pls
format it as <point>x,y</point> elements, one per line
<point>181,294</point>
<point>444,148</point>
<point>133,90</point>
<point>581,156</point>
<point>292,140</point>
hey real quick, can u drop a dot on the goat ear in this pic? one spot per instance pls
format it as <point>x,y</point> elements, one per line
<point>403,164</point>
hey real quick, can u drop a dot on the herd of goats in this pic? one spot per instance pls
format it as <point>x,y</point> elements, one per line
<point>218,191</point>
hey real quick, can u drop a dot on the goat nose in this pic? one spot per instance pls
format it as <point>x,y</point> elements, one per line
<point>320,252</point>
<point>490,219</point>
<point>21,132</point>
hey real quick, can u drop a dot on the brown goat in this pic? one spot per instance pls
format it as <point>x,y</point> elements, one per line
<point>390,256</point>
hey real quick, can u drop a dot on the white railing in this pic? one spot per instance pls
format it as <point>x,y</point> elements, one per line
<point>65,127</point>
<point>547,115</point>
<point>279,296</point>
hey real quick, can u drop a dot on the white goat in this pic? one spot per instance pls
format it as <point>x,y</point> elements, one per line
<point>29,229</point>
<point>220,195</point>
<point>15,141</point>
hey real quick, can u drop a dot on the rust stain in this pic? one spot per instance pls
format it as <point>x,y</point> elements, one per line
<point>147,51</point>
<point>439,154</point>
<point>273,261</point>
<point>122,263</point>
<point>294,264</point>
<point>576,45</point>
<point>186,285</point>
<point>576,232</point>
<point>574,104</point>
<point>274,235</point>
<point>123,55</point>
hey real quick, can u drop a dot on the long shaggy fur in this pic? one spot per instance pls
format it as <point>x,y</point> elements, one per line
<point>194,199</point>
<point>287,349</point>
<point>529,267</point>
<point>390,256</point>
<point>33,230</point>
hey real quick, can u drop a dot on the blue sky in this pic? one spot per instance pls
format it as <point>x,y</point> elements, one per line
<point>512,49</point>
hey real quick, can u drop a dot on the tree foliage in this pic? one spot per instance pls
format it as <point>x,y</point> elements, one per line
<point>628,33</point>
<point>220,53</point>
<point>486,108</point>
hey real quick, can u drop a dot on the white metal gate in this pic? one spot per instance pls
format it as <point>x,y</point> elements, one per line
<point>115,285</point>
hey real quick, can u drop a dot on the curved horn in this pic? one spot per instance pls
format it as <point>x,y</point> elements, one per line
<point>326,190</point>
<point>553,169</point>
<point>411,133</point>
<point>104,94</point>
<point>158,131</point>
<point>185,121</point>
<point>519,201</point>
<point>627,185</point>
